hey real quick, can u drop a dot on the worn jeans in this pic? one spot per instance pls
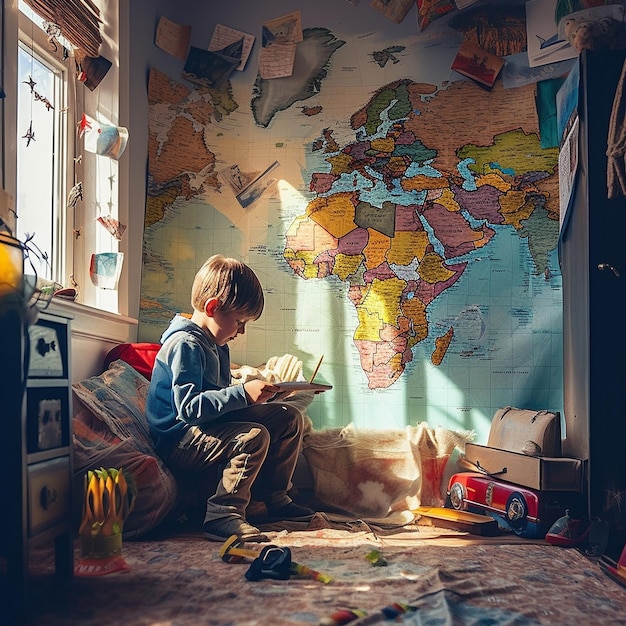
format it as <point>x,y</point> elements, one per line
<point>256,449</point>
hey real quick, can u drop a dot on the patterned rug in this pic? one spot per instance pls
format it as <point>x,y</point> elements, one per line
<point>432,576</point>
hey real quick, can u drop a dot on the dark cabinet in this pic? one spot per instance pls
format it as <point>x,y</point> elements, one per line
<point>36,451</point>
<point>593,264</point>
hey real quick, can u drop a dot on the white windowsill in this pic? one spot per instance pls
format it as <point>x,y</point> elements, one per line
<point>91,322</point>
<point>76,309</point>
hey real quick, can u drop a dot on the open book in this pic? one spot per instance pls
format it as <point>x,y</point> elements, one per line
<point>289,387</point>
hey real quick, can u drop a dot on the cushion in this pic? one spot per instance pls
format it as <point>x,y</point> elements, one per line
<point>110,430</point>
<point>374,474</point>
<point>118,398</point>
<point>140,355</point>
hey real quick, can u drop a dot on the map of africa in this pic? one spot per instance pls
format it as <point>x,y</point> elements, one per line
<point>406,231</point>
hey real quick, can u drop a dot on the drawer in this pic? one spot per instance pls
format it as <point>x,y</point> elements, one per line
<point>49,494</point>
<point>48,356</point>
<point>47,418</point>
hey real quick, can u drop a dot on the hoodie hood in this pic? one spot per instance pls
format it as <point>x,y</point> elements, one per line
<point>182,323</point>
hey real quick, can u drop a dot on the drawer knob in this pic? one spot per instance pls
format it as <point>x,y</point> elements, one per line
<point>47,497</point>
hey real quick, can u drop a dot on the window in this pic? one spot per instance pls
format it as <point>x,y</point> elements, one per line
<point>42,149</point>
<point>59,189</point>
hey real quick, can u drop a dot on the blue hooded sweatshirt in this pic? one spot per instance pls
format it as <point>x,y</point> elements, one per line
<point>190,384</point>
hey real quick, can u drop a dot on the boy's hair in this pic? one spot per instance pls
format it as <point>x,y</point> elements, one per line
<point>232,282</point>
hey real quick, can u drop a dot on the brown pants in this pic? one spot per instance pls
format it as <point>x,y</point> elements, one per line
<point>256,449</point>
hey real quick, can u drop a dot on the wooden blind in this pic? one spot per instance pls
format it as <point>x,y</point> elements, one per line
<point>79,21</point>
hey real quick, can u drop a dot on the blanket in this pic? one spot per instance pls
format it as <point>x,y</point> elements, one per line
<point>382,475</point>
<point>373,475</point>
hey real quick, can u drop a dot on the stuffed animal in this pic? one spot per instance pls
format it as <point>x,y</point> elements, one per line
<point>601,34</point>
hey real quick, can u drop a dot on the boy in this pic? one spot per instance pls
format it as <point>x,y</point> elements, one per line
<point>197,418</point>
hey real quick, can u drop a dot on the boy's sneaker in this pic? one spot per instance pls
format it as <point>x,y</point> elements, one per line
<point>224,527</point>
<point>291,512</point>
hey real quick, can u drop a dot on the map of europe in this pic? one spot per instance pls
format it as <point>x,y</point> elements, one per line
<point>426,218</point>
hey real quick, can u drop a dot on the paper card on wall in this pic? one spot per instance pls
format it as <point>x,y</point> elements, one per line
<point>477,63</point>
<point>105,269</point>
<point>395,10</point>
<point>430,10</point>
<point>224,36</point>
<point>277,60</point>
<point>249,187</point>
<point>103,139</point>
<point>545,45</point>
<point>236,179</point>
<point>90,70</point>
<point>209,69</point>
<point>173,38</point>
<point>284,29</point>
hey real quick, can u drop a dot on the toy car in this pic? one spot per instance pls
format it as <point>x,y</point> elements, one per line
<point>527,512</point>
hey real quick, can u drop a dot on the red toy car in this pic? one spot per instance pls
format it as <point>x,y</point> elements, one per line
<point>529,513</point>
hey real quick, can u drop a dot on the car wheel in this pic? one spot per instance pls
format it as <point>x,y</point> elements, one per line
<point>457,496</point>
<point>517,512</point>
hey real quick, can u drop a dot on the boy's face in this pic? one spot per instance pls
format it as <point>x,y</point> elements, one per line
<point>226,325</point>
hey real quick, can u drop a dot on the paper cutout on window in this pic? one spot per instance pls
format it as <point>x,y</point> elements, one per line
<point>105,269</point>
<point>113,226</point>
<point>103,139</point>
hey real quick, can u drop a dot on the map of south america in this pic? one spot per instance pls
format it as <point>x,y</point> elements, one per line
<point>401,209</point>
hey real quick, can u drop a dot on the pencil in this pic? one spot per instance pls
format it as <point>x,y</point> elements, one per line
<point>317,369</point>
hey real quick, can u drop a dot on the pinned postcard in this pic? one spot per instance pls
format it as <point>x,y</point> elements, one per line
<point>90,70</point>
<point>284,29</point>
<point>224,36</point>
<point>173,38</point>
<point>211,69</point>
<point>278,50</point>
<point>395,10</point>
<point>249,187</point>
<point>277,60</point>
<point>105,269</point>
<point>477,63</point>
<point>545,45</point>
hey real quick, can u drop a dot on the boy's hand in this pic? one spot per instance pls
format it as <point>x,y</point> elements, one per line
<point>259,391</point>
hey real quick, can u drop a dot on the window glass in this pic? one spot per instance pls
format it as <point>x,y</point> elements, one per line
<point>38,152</point>
<point>62,191</point>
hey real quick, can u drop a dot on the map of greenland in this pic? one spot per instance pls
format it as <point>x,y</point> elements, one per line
<point>401,212</point>
<point>310,68</point>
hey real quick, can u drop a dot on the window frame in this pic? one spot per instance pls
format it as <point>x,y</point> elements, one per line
<point>83,235</point>
<point>34,41</point>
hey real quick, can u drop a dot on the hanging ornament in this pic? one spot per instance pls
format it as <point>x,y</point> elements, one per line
<point>103,139</point>
<point>31,83</point>
<point>76,194</point>
<point>45,101</point>
<point>34,96</point>
<point>30,134</point>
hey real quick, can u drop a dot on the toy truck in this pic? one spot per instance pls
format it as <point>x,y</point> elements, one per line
<point>527,512</point>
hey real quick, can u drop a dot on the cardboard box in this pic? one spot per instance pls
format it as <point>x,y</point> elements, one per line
<point>537,472</point>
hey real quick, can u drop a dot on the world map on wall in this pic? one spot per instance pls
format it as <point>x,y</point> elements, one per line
<point>405,230</point>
